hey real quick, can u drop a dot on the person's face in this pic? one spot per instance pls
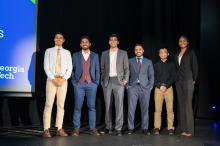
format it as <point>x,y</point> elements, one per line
<point>113,42</point>
<point>163,53</point>
<point>85,44</point>
<point>183,43</point>
<point>59,40</point>
<point>139,51</point>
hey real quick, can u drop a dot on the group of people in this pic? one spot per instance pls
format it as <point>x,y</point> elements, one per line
<point>138,75</point>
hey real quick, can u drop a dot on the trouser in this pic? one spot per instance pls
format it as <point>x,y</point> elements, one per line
<point>80,91</point>
<point>51,92</point>
<point>118,91</point>
<point>184,96</point>
<point>134,93</point>
<point>159,98</point>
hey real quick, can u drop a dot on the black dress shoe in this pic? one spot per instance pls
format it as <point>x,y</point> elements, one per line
<point>146,132</point>
<point>94,132</point>
<point>130,132</point>
<point>171,132</point>
<point>106,131</point>
<point>156,131</point>
<point>118,133</point>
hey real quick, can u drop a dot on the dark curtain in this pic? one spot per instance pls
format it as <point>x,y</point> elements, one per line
<point>155,23</point>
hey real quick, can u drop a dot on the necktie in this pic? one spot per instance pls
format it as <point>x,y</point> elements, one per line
<point>139,64</point>
<point>139,67</point>
<point>58,63</point>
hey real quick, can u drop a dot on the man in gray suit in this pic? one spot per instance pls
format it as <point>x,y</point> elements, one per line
<point>114,77</point>
<point>139,88</point>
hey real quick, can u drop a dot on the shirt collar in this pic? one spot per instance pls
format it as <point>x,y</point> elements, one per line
<point>113,51</point>
<point>163,62</point>
<point>84,53</point>
<point>56,47</point>
<point>141,57</point>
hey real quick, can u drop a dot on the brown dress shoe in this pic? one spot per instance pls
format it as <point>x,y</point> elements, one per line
<point>94,132</point>
<point>46,134</point>
<point>61,132</point>
<point>75,132</point>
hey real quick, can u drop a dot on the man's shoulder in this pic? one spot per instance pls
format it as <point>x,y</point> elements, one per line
<point>122,51</point>
<point>157,63</point>
<point>93,53</point>
<point>50,49</point>
<point>132,59</point>
<point>105,52</point>
<point>147,60</point>
<point>66,51</point>
<point>77,53</point>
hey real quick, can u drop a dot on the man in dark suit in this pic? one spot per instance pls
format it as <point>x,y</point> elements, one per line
<point>85,79</point>
<point>114,76</point>
<point>139,88</point>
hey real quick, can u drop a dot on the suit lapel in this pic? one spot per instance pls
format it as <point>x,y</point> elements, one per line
<point>108,59</point>
<point>180,64</point>
<point>80,60</point>
<point>135,65</point>
<point>117,59</point>
<point>143,64</point>
<point>91,56</point>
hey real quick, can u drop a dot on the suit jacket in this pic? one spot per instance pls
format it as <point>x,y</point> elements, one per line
<point>122,67</point>
<point>188,68</point>
<point>146,76</point>
<point>77,67</point>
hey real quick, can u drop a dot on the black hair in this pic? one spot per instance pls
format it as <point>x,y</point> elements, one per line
<point>113,35</point>
<point>138,44</point>
<point>85,37</point>
<point>164,47</point>
<point>60,33</point>
<point>185,37</point>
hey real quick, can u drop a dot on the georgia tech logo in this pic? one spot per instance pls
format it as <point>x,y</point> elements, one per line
<point>1,33</point>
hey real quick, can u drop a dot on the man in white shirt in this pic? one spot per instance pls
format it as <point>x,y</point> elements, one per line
<point>58,68</point>
<point>114,77</point>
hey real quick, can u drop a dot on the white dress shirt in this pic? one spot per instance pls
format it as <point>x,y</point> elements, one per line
<point>141,58</point>
<point>113,61</point>
<point>50,62</point>
<point>179,59</point>
<point>85,54</point>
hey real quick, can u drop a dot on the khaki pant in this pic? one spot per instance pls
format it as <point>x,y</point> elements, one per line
<point>158,98</point>
<point>51,91</point>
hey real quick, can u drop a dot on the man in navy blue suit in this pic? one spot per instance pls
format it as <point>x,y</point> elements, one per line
<point>141,82</point>
<point>85,79</point>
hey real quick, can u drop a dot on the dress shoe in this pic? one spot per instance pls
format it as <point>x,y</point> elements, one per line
<point>46,134</point>
<point>94,132</point>
<point>75,132</point>
<point>61,133</point>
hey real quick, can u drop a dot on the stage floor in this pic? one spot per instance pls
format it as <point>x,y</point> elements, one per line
<point>207,134</point>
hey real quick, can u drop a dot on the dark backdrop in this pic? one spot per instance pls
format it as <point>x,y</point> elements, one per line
<point>154,23</point>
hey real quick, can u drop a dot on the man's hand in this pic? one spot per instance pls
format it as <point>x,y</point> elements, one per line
<point>58,81</point>
<point>55,82</point>
<point>163,89</point>
<point>125,83</point>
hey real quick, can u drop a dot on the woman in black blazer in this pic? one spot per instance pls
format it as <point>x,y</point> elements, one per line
<point>187,72</point>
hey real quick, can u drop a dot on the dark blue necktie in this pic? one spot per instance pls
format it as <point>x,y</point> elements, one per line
<point>139,66</point>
